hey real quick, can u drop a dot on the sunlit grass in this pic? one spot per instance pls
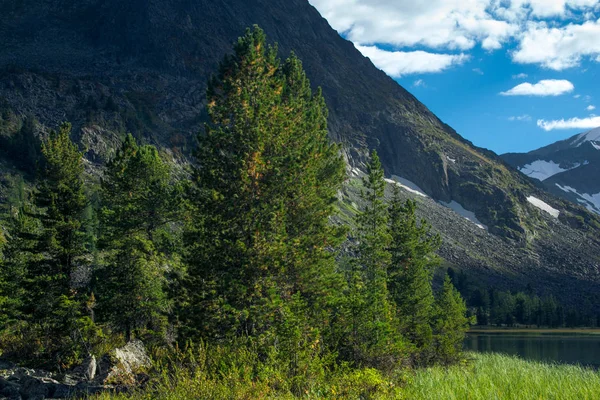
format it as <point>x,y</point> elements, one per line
<point>483,377</point>
<point>495,376</point>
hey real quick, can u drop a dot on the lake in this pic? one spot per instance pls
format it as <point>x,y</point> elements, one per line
<point>562,347</point>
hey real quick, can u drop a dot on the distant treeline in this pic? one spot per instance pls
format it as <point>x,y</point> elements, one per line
<point>241,254</point>
<point>505,308</point>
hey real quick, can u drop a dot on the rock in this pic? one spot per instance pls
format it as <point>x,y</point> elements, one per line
<point>11,391</point>
<point>123,364</point>
<point>87,369</point>
<point>36,389</point>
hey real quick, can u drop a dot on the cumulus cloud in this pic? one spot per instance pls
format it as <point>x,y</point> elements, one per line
<point>558,48</point>
<point>538,26</point>
<point>548,87</point>
<point>399,63</point>
<point>579,123</point>
<point>456,24</point>
<point>590,108</point>
<point>520,76</point>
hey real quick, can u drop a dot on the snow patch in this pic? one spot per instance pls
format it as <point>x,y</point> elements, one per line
<point>596,146</point>
<point>590,201</point>
<point>452,160</point>
<point>460,210</point>
<point>407,185</point>
<point>543,170</point>
<point>543,206</point>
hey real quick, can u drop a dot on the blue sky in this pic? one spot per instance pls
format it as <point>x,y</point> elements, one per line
<point>509,75</point>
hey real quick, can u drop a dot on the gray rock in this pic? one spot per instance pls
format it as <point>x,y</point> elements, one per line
<point>123,364</point>
<point>87,369</point>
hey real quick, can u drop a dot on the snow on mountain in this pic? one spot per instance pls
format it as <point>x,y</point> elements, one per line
<point>590,201</point>
<point>460,210</point>
<point>407,185</point>
<point>543,170</point>
<point>543,206</point>
<point>590,136</point>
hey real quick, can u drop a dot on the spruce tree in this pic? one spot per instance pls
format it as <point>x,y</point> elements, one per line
<point>373,339</point>
<point>410,274</point>
<point>139,201</point>
<point>263,194</point>
<point>450,324</point>
<point>47,256</point>
<point>61,199</point>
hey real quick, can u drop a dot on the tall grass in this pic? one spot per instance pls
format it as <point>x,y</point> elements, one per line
<point>496,376</point>
<point>484,376</point>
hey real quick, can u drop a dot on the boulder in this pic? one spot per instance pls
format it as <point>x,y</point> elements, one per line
<point>123,365</point>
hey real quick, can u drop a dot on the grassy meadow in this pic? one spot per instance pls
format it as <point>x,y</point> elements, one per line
<point>482,377</point>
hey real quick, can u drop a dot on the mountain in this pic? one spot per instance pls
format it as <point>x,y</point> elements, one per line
<point>569,168</point>
<point>141,66</point>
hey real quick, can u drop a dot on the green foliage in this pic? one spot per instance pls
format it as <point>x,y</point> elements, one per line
<point>410,274</point>
<point>259,234</point>
<point>253,277</point>
<point>42,293</point>
<point>450,324</point>
<point>520,308</point>
<point>372,337</point>
<point>139,201</point>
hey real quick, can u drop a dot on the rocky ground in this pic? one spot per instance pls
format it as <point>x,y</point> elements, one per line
<point>116,372</point>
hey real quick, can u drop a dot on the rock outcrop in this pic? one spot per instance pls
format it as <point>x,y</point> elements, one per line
<point>123,368</point>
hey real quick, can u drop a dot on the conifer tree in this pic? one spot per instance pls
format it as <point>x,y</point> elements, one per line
<point>450,324</point>
<point>261,201</point>
<point>410,274</point>
<point>139,201</point>
<point>47,255</point>
<point>61,199</point>
<point>373,338</point>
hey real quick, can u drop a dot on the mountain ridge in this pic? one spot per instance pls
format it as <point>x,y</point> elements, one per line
<point>568,168</point>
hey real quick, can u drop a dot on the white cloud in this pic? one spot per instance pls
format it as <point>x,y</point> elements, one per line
<point>590,108</point>
<point>398,63</point>
<point>524,117</point>
<point>579,123</point>
<point>558,48</point>
<point>538,26</point>
<point>520,76</point>
<point>478,71</point>
<point>577,96</point>
<point>455,24</point>
<point>548,87</point>
<point>419,83</point>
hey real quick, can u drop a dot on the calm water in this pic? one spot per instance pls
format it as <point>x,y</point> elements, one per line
<point>564,348</point>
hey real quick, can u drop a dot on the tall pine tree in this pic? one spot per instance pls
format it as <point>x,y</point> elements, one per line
<point>264,191</point>
<point>47,256</point>
<point>410,274</point>
<point>373,338</point>
<point>139,201</point>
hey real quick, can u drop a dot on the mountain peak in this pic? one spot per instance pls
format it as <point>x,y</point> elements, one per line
<point>590,136</point>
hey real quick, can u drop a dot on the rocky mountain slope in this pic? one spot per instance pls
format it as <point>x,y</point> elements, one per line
<point>141,66</point>
<point>569,168</point>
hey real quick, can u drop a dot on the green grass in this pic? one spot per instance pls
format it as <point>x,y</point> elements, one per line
<point>496,376</point>
<point>484,376</point>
